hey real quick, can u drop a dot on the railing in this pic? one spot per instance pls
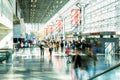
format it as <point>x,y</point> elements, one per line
<point>5,54</point>
<point>112,73</point>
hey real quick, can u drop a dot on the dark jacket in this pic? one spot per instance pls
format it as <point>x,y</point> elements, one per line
<point>76,60</point>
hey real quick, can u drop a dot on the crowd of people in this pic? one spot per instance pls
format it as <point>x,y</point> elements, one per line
<point>82,54</point>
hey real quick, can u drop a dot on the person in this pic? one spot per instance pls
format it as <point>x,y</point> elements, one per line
<point>91,63</point>
<point>54,46</point>
<point>72,46</point>
<point>94,52</point>
<point>76,64</point>
<point>67,52</point>
<point>57,46</point>
<point>41,45</point>
<point>18,46</point>
<point>50,49</point>
<point>62,46</point>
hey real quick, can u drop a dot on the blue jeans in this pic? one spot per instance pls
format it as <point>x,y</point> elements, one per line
<point>90,70</point>
<point>81,74</point>
<point>77,72</point>
<point>42,51</point>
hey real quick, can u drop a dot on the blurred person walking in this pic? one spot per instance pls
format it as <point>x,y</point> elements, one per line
<point>91,62</point>
<point>67,52</point>
<point>50,49</point>
<point>57,46</point>
<point>76,64</point>
<point>41,46</point>
<point>62,46</point>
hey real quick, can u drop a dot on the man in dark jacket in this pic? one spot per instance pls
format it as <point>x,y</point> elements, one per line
<point>41,46</point>
<point>76,64</point>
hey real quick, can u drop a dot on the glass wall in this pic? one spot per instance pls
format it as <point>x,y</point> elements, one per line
<point>101,16</point>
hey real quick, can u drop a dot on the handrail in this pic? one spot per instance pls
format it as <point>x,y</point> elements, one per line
<point>99,74</point>
<point>5,49</point>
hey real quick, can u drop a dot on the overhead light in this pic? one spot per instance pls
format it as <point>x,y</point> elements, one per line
<point>51,13</point>
<point>33,9</point>
<point>33,12</point>
<point>53,6</point>
<point>30,12</point>
<point>56,6</point>
<point>31,0</point>
<point>56,1</point>
<point>34,6</point>
<point>61,1</point>
<point>35,0</point>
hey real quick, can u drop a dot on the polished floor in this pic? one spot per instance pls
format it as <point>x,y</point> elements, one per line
<point>27,64</point>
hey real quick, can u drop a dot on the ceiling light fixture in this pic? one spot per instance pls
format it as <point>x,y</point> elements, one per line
<point>56,6</point>
<point>34,5</point>
<point>53,6</point>
<point>33,9</point>
<point>31,0</point>
<point>61,1</point>
<point>31,12</point>
<point>56,1</point>
<point>35,0</point>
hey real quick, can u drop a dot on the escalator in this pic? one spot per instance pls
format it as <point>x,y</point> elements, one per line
<point>113,73</point>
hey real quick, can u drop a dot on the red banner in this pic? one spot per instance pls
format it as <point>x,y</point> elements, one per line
<point>75,16</point>
<point>46,30</point>
<point>58,24</point>
<point>50,28</point>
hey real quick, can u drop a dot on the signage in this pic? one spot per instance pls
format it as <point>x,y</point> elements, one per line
<point>58,24</point>
<point>75,16</point>
<point>46,30</point>
<point>50,28</point>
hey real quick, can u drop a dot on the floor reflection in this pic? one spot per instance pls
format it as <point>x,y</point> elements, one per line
<point>32,66</point>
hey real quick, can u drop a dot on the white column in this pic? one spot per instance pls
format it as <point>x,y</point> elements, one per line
<point>82,17</point>
<point>83,4</point>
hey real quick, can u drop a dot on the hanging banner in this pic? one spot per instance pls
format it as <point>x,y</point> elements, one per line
<point>46,31</point>
<point>50,28</point>
<point>58,24</point>
<point>75,16</point>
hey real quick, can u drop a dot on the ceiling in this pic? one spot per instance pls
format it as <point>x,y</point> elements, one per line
<point>40,11</point>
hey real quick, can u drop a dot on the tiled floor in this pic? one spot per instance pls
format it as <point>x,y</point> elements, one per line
<point>27,65</point>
